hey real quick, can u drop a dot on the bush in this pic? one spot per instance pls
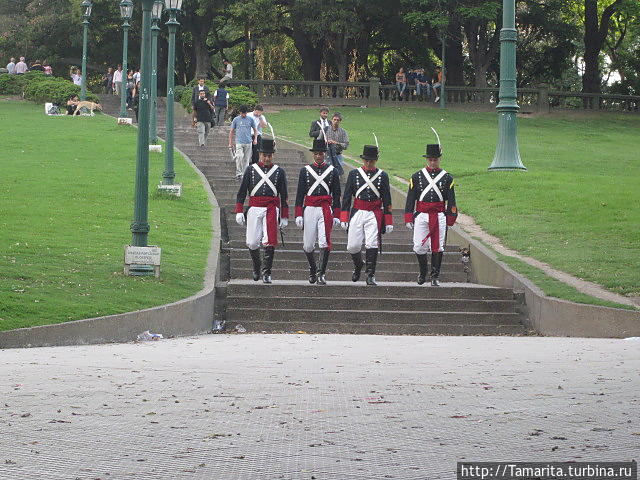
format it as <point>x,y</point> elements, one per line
<point>40,88</point>
<point>178,92</point>
<point>240,95</point>
<point>9,84</point>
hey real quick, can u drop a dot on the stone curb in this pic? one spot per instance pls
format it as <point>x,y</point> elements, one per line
<point>189,316</point>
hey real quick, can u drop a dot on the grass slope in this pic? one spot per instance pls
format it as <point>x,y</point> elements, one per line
<point>65,209</point>
<point>575,208</point>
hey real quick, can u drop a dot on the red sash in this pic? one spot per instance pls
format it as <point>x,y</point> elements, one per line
<point>272,216</point>
<point>323,201</point>
<point>432,209</point>
<point>375,207</point>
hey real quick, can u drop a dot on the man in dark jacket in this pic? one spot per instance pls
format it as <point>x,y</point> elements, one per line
<point>198,88</point>
<point>320,125</point>
<point>202,110</point>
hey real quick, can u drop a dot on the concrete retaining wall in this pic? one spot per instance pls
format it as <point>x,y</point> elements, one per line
<point>190,316</point>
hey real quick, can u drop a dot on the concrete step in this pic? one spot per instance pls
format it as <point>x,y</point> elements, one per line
<point>297,255</point>
<point>341,261</point>
<point>340,244</point>
<point>338,234</point>
<point>371,317</point>
<point>282,271</point>
<point>375,303</point>
<point>302,288</point>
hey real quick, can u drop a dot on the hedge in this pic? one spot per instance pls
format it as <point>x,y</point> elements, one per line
<point>41,88</point>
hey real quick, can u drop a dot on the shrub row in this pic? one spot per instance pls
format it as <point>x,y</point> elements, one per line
<point>238,96</point>
<point>41,88</point>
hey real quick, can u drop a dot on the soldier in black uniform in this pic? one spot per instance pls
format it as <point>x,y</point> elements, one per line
<point>430,209</point>
<point>318,209</point>
<point>371,213</point>
<point>264,182</point>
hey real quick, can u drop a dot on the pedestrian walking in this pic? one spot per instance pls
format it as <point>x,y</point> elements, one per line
<point>107,82</point>
<point>202,111</point>
<point>318,209</point>
<point>337,141</point>
<point>321,125</point>
<point>370,215</point>
<point>245,133</point>
<point>11,66</point>
<point>117,80</point>
<point>21,67</point>
<point>221,104</point>
<point>195,93</point>
<point>260,122</point>
<point>430,209</point>
<point>266,184</point>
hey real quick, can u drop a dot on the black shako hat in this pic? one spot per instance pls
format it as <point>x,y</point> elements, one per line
<point>319,145</point>
<point>369,152</point>
<point>433,151</point>
<point>267,145</point>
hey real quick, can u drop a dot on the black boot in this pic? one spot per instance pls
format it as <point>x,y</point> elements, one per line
<point>312,267</point>
<point>255,258</point>
<point>436,261</point>
<point>422,263</point>
<point>268,262</point>
<point>357,266</point>
<point>372,258</point>
<point>324,260</point>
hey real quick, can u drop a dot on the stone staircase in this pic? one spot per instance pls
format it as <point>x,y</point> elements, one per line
<point>290,304</point>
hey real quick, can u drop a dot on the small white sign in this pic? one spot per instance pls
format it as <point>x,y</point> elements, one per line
<point>125,121</point>
<point>142,255</point>
<point>155,148</point>
<point>171,189</point>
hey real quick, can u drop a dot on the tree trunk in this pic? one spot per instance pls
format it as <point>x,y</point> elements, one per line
<point>202,57</point>
<point>310,54</point>
<point>454,55</point>
<point>591,78</point>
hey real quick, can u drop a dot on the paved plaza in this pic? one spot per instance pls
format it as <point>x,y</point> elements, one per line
<point>301,406</point>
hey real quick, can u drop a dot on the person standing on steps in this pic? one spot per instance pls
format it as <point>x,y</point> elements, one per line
<point>320,125</point>
<point>221,104</point>
<point>260,121</point>
<point>370,215</point>
<point>246,135</point>
<point>264,182</point>
<point>318,209</point>
<point>202,110</point>
<point>430,209</point>
<point>200,87</point>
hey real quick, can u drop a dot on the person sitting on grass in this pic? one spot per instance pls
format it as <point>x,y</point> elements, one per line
<point>72,104</point>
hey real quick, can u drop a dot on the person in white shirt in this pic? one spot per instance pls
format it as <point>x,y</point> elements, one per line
<point>260,122</point>
<point>136,76</point>
<point>76,77</point>
<point>11,66</point>
<point>228,71</point>
<point>117,80</point>
<point>21,67</point>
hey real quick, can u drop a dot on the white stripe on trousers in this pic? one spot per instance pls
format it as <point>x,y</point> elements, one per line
<point>363,227</point>
<point>243,156</point>
<point>421,230</point>
<point>313,229</point>
<point>257,226</point>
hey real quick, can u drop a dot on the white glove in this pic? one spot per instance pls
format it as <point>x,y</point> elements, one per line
<point>344,225</point>
<point>389,229</point>
<point>240,218</point>
<point>284,222</point>
<point>336,221</point>
<point>409,225</point>
<point>299,222</point>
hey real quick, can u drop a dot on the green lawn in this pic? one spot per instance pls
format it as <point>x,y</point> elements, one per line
<point>577,206</point>
<point>66,204</point>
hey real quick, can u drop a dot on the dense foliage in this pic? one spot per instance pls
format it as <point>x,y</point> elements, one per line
<point>40,88</point>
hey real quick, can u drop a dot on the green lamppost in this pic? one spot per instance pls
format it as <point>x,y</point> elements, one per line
<point>174,7</point>
<point>507,155</point>
<point>126,11</point>
<point>86,13</point>
<point>443,103</point>
<point>156,13</point>
<point>140,224</point>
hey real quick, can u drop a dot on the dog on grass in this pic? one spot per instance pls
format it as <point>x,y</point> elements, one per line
<point>91,106</point>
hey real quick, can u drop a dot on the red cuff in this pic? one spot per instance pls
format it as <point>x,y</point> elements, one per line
<point>344,216</point>
<point>298,211</point>
<point>336,213</point>
<point>408,217</point>
<point>285,213</point>
<point>388,219</point>
<point>451,219</point>
<point>239,208</point>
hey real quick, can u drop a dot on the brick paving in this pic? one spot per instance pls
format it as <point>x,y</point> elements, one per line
<point>314,406</point>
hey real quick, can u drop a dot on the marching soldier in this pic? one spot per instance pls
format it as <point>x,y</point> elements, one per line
<point>318,209</point>
<point>371,213</point>
<point>430,209</point>
<point>265,182</point>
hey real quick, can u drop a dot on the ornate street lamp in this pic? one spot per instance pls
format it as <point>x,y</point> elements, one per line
<point>140,224</point>
<point>156,13</point>
<point>126,12</point>
<point>173,6</point>
<point>86,13</point>
<point>507,155</point>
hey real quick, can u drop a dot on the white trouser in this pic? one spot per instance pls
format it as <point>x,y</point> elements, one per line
<point>257,226</point>
<point>243,155</point>
<point>363,226</point>
<point>313,229</point>
<point>421,230</point>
